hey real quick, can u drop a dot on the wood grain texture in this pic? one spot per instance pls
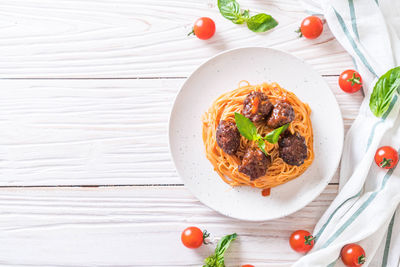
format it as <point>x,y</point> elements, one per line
<point>134,226</point>
<point>120,38</point>
<point>95,132</point>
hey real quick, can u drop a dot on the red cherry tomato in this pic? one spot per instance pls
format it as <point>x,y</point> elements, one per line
<point>350,81</point>
<point>247,265</point>
<point>311,27</point>
<point>352,255</point>
<point>301,241</point>
<point>386,157</point>
<point>192,237</point>
<point>204,28</point>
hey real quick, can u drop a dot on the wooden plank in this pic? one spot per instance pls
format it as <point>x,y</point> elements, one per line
<point>95,132</point>
<point>119,38</point>
<point>134,226</point>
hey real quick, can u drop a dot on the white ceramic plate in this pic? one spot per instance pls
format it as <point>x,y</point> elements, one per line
<point>222,73</point>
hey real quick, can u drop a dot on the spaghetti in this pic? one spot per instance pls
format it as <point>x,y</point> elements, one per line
<point>226,165</point>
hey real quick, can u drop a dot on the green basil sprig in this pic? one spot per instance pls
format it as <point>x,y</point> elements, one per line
<point>217,259</point>
<point>384,90</point>
<point>249,131</point>
<point>230,9</point>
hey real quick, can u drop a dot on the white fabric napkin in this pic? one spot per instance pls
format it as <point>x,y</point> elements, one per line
<point>366,210</point>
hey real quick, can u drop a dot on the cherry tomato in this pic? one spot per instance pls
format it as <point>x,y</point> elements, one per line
<point>352,255</point>
<point>193,237</point>
<point>301,241</point>
<point>386,157</point>
<point>350,81</point>
<point>204,28</point>
<point>247,265</point>
<point>311,27</point>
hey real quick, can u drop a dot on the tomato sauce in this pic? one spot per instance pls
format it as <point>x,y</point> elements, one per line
<point>266,192</point>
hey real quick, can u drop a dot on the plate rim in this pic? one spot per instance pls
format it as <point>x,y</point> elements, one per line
<point>330,176</point>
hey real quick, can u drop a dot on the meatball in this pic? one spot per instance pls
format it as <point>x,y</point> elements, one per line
<point>254,163</point>
<point>292,148</point>
<point>281,114</point>
<point>228,137</point>
<point>256,106</point>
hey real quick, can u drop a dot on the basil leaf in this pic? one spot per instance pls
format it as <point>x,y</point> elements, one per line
<point>273,136</point>
<point>217,259</point>
<point>246,127</point>
<point>261,145</point>
<point>230,9</point>
<point>261,23</point>
<point>384,91</point>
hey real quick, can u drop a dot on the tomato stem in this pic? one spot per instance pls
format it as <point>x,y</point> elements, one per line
<point>385,163</point>
<point>205,236</point>
<point>299,32</point>
<point>192,32</point>
<point>361,259</point>
<point>354,79</point>
<point>308,239</point>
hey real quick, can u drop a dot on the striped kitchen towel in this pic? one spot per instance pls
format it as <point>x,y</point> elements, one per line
<point>366,210</point>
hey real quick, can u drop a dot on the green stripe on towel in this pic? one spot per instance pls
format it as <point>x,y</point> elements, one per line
<point>387,244</point>
<point>353,43</point>
<point>353,19</point>
<point>331,216</point>
<point>332,263</point>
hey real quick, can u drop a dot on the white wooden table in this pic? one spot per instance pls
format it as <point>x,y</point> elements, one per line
<point>86,89</point>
